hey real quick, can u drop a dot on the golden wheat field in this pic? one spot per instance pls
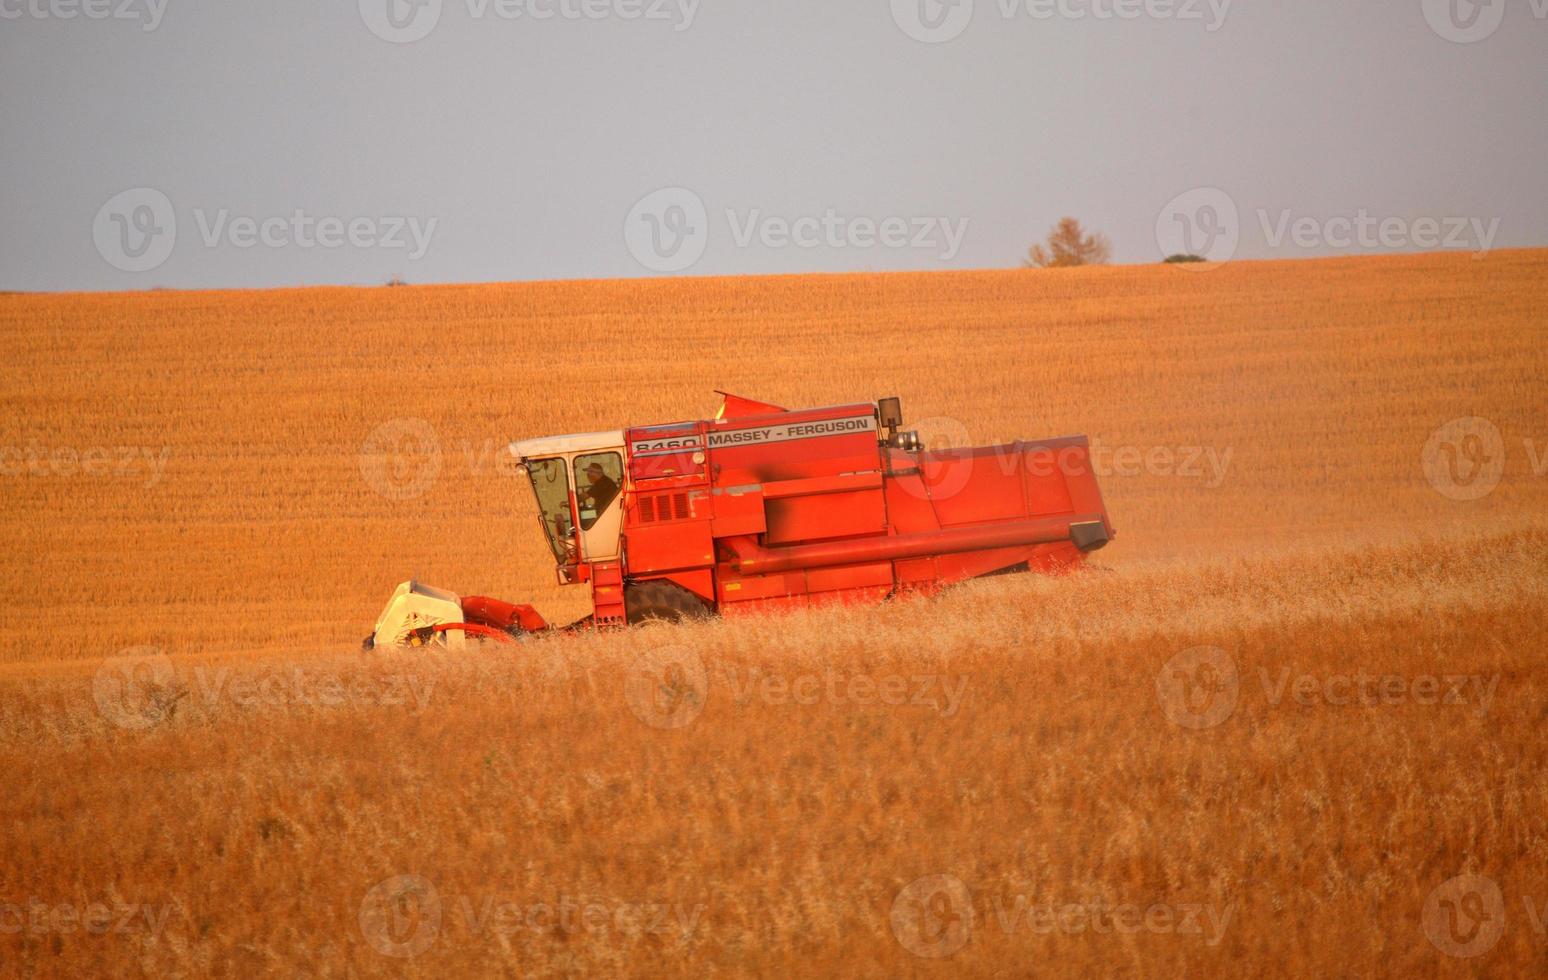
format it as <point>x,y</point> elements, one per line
<point>1290,723</point>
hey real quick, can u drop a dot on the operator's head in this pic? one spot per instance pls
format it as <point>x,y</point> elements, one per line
<point>594,472</point>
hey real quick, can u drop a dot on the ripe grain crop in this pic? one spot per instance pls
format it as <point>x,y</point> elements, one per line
<point>1298,697</point>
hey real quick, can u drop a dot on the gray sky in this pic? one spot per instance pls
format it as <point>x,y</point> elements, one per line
<point>187,144</point>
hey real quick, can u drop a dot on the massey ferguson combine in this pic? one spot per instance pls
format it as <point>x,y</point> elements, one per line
<point>763,508</point>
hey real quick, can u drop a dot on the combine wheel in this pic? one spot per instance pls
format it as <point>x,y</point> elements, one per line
<point>661,601</point>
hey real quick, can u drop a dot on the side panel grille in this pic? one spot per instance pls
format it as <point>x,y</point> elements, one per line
<point>664,507</point>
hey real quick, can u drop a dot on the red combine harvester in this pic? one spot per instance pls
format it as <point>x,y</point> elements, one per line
<point>764,508</point>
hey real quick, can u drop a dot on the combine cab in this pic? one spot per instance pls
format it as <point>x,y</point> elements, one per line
<point>763,508</point>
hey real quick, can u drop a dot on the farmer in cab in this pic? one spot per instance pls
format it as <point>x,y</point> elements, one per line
<point>602,488</point>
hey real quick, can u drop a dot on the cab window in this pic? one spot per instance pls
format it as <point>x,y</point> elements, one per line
<point>553,499</point>
<point>598,480</point>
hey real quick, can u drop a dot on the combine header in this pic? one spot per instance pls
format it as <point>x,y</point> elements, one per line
<point>763,508</point>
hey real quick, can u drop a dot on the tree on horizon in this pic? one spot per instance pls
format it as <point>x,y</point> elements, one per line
<point>1069,245</point>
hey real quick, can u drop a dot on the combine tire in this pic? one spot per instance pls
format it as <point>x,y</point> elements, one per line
<point>661,601</point>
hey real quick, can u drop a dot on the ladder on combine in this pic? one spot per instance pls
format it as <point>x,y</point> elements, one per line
<point>607,595</point>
